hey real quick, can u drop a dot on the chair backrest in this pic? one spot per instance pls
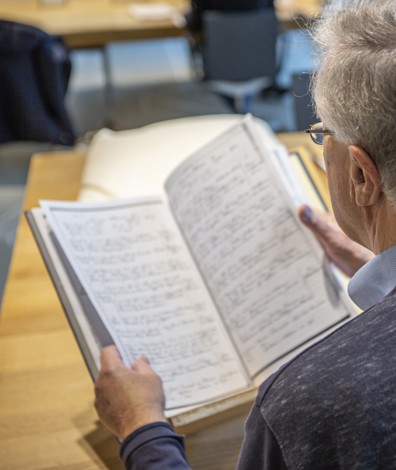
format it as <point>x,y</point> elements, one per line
<point>35,70</point>
<point>302,99</point>
<point>239,46</point>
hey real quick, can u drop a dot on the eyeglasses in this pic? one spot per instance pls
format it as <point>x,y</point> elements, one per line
<point>317,133</point>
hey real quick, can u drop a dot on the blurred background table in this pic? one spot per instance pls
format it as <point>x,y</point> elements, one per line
<point>91,23</point>
<point>94,23</point>
<point>296,13</point>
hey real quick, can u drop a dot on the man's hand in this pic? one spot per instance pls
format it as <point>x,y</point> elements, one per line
<point>127,399</point>
<point>346,254</point>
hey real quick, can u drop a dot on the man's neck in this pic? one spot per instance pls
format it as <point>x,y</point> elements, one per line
<point>381,227</point>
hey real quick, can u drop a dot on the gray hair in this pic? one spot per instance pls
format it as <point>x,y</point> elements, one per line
<point>354,87</point>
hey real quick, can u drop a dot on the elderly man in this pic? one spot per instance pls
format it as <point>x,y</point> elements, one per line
<point>334,405</point>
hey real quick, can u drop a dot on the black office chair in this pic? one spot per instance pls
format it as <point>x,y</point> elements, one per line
<point>302,101</point>
<point>35,71</point>
<point>239,53</point>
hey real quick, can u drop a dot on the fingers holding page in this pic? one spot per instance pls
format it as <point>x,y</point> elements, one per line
<point>127,398</point>
<point>346,254</point>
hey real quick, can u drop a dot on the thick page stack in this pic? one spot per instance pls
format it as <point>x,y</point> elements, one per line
<point>216,281</point>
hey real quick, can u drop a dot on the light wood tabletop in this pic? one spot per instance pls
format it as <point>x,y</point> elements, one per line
<point>94,23</point>
<point>47,418</point>
<point>294,13</point>
<point>46,414</point>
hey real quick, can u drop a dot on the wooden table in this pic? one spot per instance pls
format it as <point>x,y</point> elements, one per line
<point>91,23</point>
<point>296,13</point>
<point>94,23</point>
<point>47,418</point>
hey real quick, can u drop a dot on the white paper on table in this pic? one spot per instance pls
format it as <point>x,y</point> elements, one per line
<point>156,12</point>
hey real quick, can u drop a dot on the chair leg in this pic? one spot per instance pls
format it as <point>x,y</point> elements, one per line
<point>243,104</point>
<point>108,90</point>
<point>195,47</point>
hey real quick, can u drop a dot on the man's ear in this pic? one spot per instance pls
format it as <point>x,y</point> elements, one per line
<point>365,176</point>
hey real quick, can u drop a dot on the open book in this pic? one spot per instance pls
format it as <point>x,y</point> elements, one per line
<point>213,279</point>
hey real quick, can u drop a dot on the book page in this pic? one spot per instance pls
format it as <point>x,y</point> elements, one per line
<point>264,275</point>
<point>86,326</point>
<point>135,268</point>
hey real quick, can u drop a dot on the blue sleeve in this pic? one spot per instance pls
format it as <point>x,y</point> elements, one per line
<point>154,446</point>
